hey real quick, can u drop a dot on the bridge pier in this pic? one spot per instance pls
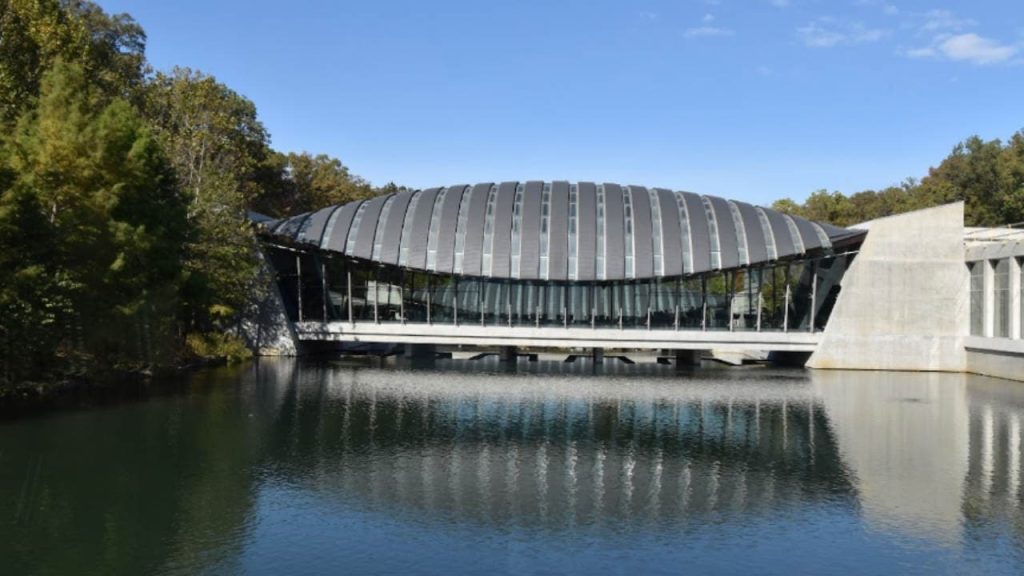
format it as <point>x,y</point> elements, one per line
<point>597,355</point>
<point>688,357</point>
<point>420,351</point>
<point>508,354</point>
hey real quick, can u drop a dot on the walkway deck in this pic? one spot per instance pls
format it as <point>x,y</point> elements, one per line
<point>557,337</point>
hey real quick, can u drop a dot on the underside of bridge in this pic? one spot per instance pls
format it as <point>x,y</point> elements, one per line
<point>558,265</point>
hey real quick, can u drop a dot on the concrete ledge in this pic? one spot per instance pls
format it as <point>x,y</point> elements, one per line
<point>999,357</point>
<point>555,337</point>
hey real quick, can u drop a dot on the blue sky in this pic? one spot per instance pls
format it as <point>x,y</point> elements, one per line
<point>753,100</point>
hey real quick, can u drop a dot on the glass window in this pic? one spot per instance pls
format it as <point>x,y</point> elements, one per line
<point>406,241</point>
<point>460,230</point>
<point>378,240</point>
<point>1001,303</point>
<point>545,235</point>
<point>659,267</point>
<point>798,242</point>
<point>769,238</point>
<point>517,232</point>
<point>684,230</point>
<point>716,250</point>
<point>353,230</point>
<point>822,236</point>
<point>573,237</point>
<point>599,252</point>
<point>330,228</point>
<point>977,271</point>
<point>741,233</point>
<point>627,215</point>
<point>435,230</point>
<point>488,250</point>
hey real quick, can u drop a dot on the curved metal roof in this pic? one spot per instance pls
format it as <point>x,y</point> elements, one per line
<point>558,231</point>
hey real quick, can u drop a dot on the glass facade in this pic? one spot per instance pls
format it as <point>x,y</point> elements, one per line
<point>792,295</point>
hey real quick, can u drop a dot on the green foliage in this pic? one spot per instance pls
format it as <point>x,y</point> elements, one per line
<point>123,197</point>
<point>305,182</point>
<point>217,345</point>
<point>218,148</point>
<point>36,33</point>
<point>987,176</point>
<point>98,227</point>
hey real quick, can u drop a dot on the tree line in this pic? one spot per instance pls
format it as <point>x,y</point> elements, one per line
<point>986,175</point>
<point>124,239</point>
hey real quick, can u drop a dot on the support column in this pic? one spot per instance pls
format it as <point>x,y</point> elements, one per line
<point>1015,328</point>
<point>420,351</point>
<point>508,354</point>
<point>989,300</point>
<point>598,355</point>
<point>688,357</point>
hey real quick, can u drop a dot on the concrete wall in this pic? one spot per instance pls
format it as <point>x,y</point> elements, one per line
<point>904,302</point>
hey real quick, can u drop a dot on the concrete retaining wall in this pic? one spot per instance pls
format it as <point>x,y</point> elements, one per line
<point>904,301</point>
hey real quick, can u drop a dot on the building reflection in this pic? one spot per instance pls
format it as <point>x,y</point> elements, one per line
<point>919,455</point>
<point>557,450</point>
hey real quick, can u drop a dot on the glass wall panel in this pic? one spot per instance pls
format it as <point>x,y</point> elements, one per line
<point>830,273</point>
<point>719,300</point>
<point>746,298</point>
<point>782,296</point>
<point>337,290</point>
<point>692,309</point>
<point>977,272</point>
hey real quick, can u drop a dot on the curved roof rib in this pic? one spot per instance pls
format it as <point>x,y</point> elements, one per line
<point>530,225</point>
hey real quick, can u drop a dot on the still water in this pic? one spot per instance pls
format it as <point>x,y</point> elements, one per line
<point>290,467</point>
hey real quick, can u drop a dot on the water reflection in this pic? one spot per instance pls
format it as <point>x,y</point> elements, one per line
<point>303,466</point>
<point>530,449</point>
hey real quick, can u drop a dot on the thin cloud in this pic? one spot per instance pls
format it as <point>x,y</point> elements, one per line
<point>944,21</point>
<point>886,8</point>
<point>708,32</point>
<point>829,32</point>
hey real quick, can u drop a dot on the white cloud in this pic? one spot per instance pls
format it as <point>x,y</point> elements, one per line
<point>780,3</point>
<point>708,18</point>
<point>975,49</point>
<point>707,32</point>
<point>829,32</point>
<point>948,40</point>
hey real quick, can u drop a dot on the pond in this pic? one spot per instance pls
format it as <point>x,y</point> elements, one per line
<point>458,467</point>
